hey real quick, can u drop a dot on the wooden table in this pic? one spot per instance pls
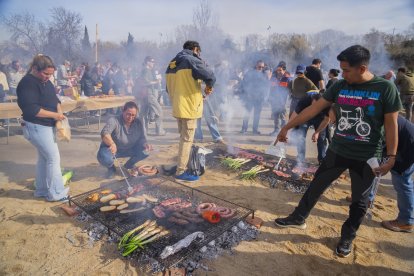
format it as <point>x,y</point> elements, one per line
<point>12,110</point>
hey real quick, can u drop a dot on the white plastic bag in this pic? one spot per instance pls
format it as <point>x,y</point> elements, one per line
<point>63,130</point>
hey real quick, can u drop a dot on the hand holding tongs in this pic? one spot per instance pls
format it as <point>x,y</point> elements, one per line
<point>130,189</point>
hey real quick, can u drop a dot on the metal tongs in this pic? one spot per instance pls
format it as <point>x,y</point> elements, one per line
<point>130,189</point>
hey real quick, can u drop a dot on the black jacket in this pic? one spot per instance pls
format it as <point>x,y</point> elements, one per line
<point>405,150</point>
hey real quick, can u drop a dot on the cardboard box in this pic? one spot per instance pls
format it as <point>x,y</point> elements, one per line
<point>71,92</point>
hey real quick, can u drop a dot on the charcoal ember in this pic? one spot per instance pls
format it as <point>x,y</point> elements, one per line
<point>96,231</point>
<point>242,225</point>
<point>83,217</point>
<point>212,243</point>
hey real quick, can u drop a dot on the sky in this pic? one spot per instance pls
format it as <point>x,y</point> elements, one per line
<point>156,20</point>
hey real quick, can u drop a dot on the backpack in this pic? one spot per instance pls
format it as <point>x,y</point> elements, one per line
<point>197,162</point>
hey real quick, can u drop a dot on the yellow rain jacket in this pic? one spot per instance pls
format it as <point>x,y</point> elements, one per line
<point>184,75</point>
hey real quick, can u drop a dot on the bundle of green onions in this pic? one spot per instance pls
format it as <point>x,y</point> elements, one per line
<point>234,163</point>
<point>146,233</point>
<point>252,173</point>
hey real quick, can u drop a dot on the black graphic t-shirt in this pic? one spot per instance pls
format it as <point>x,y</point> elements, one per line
<point>360,110</point>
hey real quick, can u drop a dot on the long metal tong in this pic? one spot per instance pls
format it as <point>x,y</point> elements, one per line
<point>130,189</point>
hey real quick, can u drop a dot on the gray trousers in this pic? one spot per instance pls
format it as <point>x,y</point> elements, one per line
<point>151,107</point>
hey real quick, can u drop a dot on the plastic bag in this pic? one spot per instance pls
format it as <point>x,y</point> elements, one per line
<point>63,130</point>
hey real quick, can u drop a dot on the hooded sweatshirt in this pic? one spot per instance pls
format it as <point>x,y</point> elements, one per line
<point>184,75</point>
<point>405,83</point>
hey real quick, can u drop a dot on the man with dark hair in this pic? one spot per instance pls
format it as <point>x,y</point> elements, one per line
<point>184,75</point>
<point>16,73</point>
<point>365,105</point>
<point>149,102</point>
<point>255,86</point>
<point>123,136</point>
<point>405,83</point>
<point>279,92</point>
<point>314,73</point>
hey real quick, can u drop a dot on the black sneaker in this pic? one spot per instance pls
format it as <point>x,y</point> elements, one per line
<point>290,222</point>
<point>344,248</point>
<point>111,172</point>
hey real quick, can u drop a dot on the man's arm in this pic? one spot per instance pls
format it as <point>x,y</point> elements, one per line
<point>322,126</point>
<point>307,114</point>
<point>391,140</point>
<point>321,84</point>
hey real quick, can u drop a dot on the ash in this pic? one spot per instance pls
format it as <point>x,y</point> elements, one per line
<point>225,242</point>
<point>95,230</point>
<point>228,240</point>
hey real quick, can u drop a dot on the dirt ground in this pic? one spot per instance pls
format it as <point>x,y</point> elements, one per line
<point>37,238</point>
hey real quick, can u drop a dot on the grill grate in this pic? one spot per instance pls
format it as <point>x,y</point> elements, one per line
<point>163,189</point>
<point>298,183</point>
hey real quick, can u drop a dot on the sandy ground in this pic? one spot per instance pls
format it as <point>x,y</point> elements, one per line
<point>37,238</point>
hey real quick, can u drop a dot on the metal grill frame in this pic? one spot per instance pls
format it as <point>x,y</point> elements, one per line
<point>125,224</point>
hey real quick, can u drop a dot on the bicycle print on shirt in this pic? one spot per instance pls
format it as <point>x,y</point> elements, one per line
<point>354,106</point>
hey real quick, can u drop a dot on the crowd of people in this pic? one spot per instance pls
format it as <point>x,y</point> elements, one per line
<point>363,107</point>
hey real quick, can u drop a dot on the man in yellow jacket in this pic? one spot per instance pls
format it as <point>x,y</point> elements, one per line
<point>184,76</point>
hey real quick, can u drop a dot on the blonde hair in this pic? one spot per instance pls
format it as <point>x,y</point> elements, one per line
<point>41,62</point>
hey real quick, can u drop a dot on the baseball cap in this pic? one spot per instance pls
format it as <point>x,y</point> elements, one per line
<point>300,69</point>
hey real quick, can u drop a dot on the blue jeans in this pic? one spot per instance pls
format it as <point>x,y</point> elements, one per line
<point>301,142</point>
<point>49,182</point>
<point>257,109</point>
<point>403,185</point>
<point>106,159</point>
<point>212,126</point>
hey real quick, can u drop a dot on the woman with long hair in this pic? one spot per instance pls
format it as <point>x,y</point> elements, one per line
<point>41,109</point>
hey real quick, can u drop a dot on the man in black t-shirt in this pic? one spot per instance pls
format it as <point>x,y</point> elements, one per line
<point>314,73</point>
<point>319,123</point>
<point>365,106</point>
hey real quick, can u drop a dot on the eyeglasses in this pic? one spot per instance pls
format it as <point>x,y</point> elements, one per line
<point>260,67</point>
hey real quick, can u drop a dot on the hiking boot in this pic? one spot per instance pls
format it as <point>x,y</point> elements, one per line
<point>344,248</point>
<point>187,177</point>
<point>111,172</point>
<point>396,226</point>
<point>290,222</point>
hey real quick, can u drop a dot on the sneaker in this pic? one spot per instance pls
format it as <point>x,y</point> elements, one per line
<point>257,132</point>
<point>111,172</point>
<point>63,199</point>
<point>243,131</point>
<point>162,133</point>
<point>396,226</point>
<point>344,248</point>
<point>187,177</point>
<point>290,222</point>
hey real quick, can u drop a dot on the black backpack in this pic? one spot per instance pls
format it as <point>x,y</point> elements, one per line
<point>197,162</point>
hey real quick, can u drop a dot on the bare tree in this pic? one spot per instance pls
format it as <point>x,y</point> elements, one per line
<point>64,33</point>
<point>25,31</point>
<point>203,16</point>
